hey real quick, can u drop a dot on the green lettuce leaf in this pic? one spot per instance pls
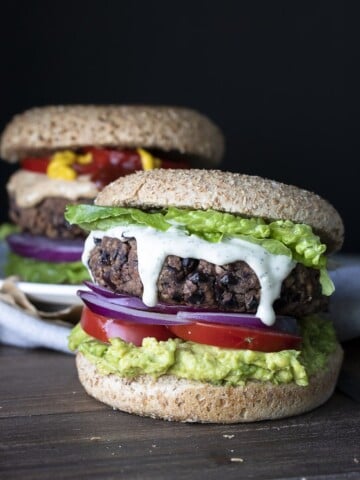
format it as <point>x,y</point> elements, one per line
<point>6,229</point>
<point>199,222</point>
<point>32,270</point>
<point>93,217</point>
<point>326,283</point>
<point>306,246</point>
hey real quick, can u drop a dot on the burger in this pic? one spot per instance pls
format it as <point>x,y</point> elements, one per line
<point>208,297</point>
<point>67,154</point>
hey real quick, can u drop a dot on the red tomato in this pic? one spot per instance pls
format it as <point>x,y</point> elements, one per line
<point>100,157</point>
<point>104,328</point>
<point>229,336</point>
<point>35,164</point>
<point>106,165</point>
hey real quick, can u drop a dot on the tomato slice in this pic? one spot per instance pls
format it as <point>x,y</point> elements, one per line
<point>35,164</point>
<point>103,328</point>
<point>229,336</point>
<point>226,336</point>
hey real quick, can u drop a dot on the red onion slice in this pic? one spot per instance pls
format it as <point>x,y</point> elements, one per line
<point>282,323</point>
<point>132,309</point>
<point>105,292</point>
<point>46,249</point>
<point>135,302</point>
<point>103,307</point>
<point>245,320</point>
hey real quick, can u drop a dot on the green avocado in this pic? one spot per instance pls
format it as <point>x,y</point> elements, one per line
<point>219,366</point>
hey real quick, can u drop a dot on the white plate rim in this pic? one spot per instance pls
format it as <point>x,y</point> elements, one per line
<point>50,293</point>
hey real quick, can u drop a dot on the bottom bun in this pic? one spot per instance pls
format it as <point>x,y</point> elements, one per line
<point>172,398</point>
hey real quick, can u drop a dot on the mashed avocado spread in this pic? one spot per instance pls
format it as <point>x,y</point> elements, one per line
<point>206,363</point>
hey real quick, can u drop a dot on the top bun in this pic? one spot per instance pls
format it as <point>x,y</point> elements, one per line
<point>236,193</point>
<point>166,128</point>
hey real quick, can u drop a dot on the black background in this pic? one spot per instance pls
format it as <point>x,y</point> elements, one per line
<point>275,76</point>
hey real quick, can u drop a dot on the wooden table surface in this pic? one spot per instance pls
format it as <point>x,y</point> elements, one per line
<point>50,429</point>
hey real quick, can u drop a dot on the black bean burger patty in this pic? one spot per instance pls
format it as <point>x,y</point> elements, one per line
<point>46,218</point>
<point>232,287</point>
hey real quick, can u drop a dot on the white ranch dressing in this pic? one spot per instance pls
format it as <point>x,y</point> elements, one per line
<point>153,246</point>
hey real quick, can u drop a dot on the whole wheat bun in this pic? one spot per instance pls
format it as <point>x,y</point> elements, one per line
<point>172,398</point>
<point>227,192</point>
<point>45,129</point>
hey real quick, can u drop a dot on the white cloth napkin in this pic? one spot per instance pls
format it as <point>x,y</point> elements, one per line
<point>22,324</point>
<point>344,309</point>
<point>21,329</point>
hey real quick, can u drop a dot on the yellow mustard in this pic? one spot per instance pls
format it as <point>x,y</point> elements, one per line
<point>60,166</point>
<point>148,161</point>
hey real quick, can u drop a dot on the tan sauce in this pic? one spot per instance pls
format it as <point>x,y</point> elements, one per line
<point>31,188</point>
<point>153,246</point>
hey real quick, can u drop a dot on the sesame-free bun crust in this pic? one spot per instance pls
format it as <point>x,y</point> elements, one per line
<point>172,398</point>
<point>247,195</point>
<point>166,128</point>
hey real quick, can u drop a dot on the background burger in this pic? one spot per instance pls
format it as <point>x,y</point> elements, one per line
<point>208,295</point>
<point>67,154</point>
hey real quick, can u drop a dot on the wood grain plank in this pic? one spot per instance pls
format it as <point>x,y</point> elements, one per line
<point>25,385</point>
<point>47,430</point>
<point>110,442</point>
